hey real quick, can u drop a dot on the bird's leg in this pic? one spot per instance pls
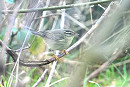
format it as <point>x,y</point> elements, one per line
<point>56,53</point>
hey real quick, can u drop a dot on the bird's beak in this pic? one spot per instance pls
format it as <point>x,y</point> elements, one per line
<point>76,35</point>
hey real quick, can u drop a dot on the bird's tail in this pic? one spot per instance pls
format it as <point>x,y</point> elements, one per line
<point>33,31</point>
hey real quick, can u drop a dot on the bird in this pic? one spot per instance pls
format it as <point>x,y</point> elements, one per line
<point>56,39</point>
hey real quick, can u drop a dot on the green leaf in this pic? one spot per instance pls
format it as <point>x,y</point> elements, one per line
<point>38,46</point>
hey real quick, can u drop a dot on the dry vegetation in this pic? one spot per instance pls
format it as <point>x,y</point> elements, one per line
<point>99,56</point>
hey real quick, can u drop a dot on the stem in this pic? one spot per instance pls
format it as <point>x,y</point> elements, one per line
<point>54,7</point>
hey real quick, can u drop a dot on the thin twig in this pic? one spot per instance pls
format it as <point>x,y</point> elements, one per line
<point>51,74</point>
<point>76,21</point>
<point>58,81</point>
<point>121,63</point>
<point>62,17</point>
<point>41,78</point>
<point>55,7</point>
<point>43,14</point>
<point>101,6</point>
<point>95,83</point>
<point>27,47</point>
<point>47,16</point>
<point>90,9</point>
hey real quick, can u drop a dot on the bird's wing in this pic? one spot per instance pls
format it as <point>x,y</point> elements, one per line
<point>55,35</point>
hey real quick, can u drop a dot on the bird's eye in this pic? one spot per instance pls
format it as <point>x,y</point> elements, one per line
<point>68,33</point>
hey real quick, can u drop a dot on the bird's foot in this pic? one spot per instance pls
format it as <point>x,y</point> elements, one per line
<point>58,52</point>
<point>64,51</point>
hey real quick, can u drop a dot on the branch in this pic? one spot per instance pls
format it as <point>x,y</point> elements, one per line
<point>55,7</point>
<point>92,29</point>
<point>14,55</point>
